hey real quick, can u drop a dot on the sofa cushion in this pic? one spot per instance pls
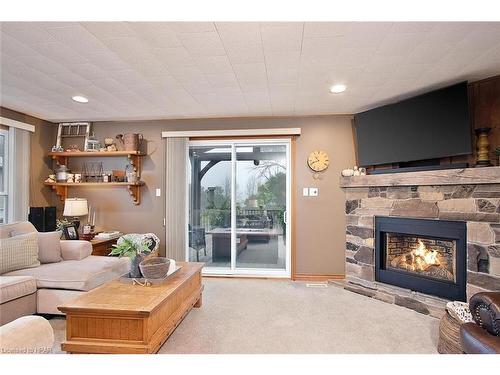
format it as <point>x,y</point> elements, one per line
<point>75,249</point>
<point>49,247</point>
<point>27,335</point>
<point>19,252</point>
<point>20,226</point>
<point>13,287</point>
<point>85,274</point>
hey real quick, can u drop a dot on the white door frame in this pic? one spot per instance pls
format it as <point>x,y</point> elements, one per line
<point>247,272</point>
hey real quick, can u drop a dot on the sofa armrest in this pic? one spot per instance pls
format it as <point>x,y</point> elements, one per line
<point>75,249</point>
<point>476,340</point>
<point>28,334</point>
<point>485,310</point>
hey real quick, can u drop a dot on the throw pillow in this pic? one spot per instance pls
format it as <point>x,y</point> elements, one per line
<point>49,247</point>
<point>19,252</point>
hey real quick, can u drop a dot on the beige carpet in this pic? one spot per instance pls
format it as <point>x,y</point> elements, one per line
<point>267,316</point>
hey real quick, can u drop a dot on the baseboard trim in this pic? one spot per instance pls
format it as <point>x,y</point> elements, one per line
<point>316,277</point>
<point>245,277</point>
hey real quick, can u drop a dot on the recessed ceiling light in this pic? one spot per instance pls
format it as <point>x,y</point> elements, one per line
<point>337,89</point>
<point>80,99</point>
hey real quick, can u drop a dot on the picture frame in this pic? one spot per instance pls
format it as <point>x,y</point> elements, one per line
<point>70,232</point>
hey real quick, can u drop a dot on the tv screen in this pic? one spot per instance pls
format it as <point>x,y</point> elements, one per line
<point>429,126</point>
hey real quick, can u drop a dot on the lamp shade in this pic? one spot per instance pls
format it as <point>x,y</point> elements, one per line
<point>75,207</point>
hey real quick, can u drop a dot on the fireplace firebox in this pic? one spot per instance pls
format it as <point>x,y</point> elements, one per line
<point>427,256</point>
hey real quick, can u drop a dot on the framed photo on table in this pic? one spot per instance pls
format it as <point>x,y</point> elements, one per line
<point>70,232</point>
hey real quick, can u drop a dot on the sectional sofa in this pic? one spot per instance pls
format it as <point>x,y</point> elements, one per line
<point>40,289</point>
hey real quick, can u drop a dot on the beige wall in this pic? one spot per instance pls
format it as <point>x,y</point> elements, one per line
<point>320,237</point>
<point>40,165</point>
<point>320,222</point>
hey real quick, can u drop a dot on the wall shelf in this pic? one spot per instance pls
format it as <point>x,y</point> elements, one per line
<point>61,188</point>
<point>134,158</point>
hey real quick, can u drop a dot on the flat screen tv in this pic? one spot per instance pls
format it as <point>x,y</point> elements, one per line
<point>428,126</point>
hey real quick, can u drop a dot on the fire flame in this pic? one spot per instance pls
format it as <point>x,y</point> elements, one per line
<point>422,257</point>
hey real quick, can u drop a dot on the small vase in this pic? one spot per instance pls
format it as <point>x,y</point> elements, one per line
<point>135,271</point>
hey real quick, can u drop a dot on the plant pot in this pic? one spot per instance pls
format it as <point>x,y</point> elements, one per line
<point>135,271</point>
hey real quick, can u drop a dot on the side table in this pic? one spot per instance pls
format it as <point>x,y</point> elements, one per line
<point>103,247</point>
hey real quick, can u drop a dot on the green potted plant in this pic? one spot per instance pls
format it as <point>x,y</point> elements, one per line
<point>135,250</point>
<point>497,153</point>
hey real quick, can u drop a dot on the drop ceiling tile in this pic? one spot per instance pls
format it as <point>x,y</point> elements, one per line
<point>106,60</point>
<point>253,86</point>
<point>156,34</point>
<point>327,29</point>
<point>71,79</point>
<point>288,59</point>
<point>187,73</point>
<point>59,52</point>
<point>399,44</point>
<point>109,30</point>
<point>412,27</point>
<point>173,57</point>
<point>109,84</point>
<point>283,76</point>
<point>214,64</point>
<point>249,54</point>
<point>239,32</point>
<point>165,81</point>
<point>89,71</point>
<point>46,65</point>
<point>222,80</point>
<point>428,51</point>
<point>257,97</point>
<point>78,38</point>
<point>203,44</point>
<point>193,27</point>
<point>11,47</point>
<point>250,73</point>
<point>322,48</point>
<point>128,76</point>
<point>27,32</point>
<point>481,40</point>
<point>197,86</point>
<point>282,38</point>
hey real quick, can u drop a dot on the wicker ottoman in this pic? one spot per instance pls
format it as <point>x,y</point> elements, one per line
<point>449,335</point>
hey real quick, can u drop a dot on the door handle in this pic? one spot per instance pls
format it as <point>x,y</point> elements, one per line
<point>284,217</point>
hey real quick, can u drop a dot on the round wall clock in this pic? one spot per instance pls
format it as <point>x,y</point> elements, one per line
<point>318,161</point>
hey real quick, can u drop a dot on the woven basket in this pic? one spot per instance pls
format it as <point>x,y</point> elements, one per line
<point>155,267</point>
<point>449,336</point>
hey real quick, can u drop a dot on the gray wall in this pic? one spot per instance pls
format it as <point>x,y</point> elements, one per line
<point>320,222</point>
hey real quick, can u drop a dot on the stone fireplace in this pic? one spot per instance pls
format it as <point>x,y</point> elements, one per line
<point>427,256</point>
<point>384,262</point>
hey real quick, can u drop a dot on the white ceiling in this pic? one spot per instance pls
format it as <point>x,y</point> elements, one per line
<point>144,70</point>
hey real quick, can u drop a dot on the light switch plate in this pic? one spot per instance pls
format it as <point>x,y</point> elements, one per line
<point>313,192</point>
<point>158,192</point>
<point>305,192</point>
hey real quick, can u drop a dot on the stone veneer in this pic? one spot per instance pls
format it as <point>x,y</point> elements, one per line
<point>478,205</point>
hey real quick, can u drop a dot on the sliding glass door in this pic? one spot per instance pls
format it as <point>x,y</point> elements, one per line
<point>239,207</point>
<point>4,169</point>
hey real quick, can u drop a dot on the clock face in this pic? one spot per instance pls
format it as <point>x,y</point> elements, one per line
<point>318,161</point>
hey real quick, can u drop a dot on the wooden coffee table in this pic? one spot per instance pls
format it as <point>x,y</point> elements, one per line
<point>125,318</point>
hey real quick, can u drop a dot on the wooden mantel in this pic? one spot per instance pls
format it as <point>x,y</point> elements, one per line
<point>467,176</point>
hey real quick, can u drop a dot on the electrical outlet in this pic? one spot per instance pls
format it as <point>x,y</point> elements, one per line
<point>313,192</point>
<point>158,192</point>
<point>305,192</point>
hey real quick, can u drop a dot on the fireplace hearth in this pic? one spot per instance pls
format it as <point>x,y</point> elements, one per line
<point>427,256</point>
